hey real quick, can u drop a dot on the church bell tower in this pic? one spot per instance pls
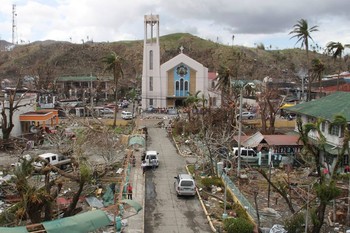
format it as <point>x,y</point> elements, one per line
<point>151,81</point>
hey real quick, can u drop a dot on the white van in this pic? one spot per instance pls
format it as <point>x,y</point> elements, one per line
<point>53,159</point>
<point>150,157</point>
<point>247,154</point>
<point>127,115</point>
<point>185,185</point>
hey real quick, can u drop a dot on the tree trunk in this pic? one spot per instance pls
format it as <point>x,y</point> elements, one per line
<point>48,206</point>
<point>75,200</point>
<point>320,218</point>
<point>272,124</point>
<point>281,192</point>
<point>115,108</point>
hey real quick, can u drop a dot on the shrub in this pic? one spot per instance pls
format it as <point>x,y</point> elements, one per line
<point>295,223</point>
<point>240,211</point>
<point>208,182</point>
<point>191,169</point>
<point>228,222</point>
<point>240,225</point>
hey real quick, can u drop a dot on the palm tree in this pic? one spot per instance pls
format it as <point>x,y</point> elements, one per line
<point>335,49</point>
<point>192,103</point>
<point>317,69</point>
<point>114,63</point>
<point>224,78</point>
<point>132,95</point>
<point>302,31</point>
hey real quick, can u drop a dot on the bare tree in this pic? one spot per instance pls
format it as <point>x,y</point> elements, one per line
<point>269,102</point>
<point>11,102</point>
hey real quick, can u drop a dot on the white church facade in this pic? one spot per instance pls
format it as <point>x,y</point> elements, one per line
<point>169,84</point>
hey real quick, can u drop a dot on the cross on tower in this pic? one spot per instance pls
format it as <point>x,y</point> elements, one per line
<point>181,49</point>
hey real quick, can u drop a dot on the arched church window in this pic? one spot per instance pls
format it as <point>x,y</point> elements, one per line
<point>151,59</point>
<point>177,85</point>
<point>181,84</point>
<point>186,87</point>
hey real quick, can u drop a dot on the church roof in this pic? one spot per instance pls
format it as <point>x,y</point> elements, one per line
<point>182,58</point>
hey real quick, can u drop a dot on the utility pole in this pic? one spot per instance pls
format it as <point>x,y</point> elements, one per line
<point>14,14</point>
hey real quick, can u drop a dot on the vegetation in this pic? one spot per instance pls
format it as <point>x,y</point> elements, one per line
<point>336,49</point>
<point>326,189</point>
<point>114,63</point>
<point>48,60</point>
<point>295,224</point>
<point>239,225</point>
<point>303,33</point>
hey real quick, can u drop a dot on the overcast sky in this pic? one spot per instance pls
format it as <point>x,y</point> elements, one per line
<point>251,22</point>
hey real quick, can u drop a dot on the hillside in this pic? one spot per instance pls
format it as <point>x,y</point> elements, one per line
<point>51,59</point>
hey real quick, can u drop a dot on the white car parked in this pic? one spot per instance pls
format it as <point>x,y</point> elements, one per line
<point>127,115</point>
<point>185,185</point>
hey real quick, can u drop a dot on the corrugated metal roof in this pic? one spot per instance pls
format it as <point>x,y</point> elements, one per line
<point>326,107</point>
<point>272,140</point>
<point>282,140</point>
<point>85,222</point>
<point>254,140</point>
<point>76,78</point>
<point>137,140</point>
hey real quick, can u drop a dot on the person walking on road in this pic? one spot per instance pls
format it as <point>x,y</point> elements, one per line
<point>129,191</point>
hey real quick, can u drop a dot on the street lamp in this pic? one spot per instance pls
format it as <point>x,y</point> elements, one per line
<point>240,129</point>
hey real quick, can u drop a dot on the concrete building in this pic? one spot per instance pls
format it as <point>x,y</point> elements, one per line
<point>26,102</point>
<point>326,108</point>
<point>169,84</point>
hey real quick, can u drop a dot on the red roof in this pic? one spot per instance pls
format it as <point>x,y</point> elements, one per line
<point>282,140</point>
<point>345,87</point>
<point>342,87</point>
<point>272,140</point>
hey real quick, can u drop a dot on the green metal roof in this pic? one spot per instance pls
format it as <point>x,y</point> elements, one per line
<point>85,222</point>
<point>137,140</point>
<point>326,107</point>
<point>76,78</point>
<point>86,78</point>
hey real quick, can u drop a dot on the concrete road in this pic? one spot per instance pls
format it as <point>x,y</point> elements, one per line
<point>164,211</point>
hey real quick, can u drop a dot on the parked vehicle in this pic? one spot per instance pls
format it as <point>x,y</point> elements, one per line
<point>246,115</point>
<point>127,115</point>
<point>185,185</point>
<point>53,159</point>
<point>247,154</point>
<point>151,157</point>
<point>107,112</point>
<point>172,111</point>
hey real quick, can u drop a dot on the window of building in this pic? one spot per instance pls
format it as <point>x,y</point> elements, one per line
<point>177,86</point>
<point>186,87</point>
<point>334,130</point>
<point>311,120</point>
<point>150,102</point>
<point>151,59</point>
<point>212,84</point>
<point>213,101</point>
<point>151,83</point>
<point>181,84</point>
<point>323,126</point>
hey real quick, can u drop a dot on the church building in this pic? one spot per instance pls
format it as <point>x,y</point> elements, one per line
<point>168,85</point>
